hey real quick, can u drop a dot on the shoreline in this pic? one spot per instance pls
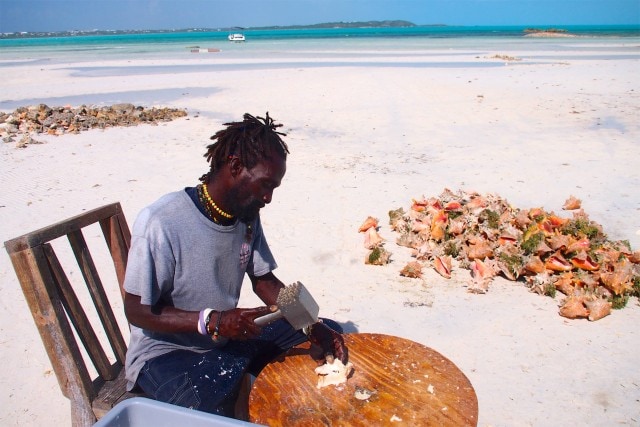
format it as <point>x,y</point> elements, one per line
<point>534,135</point>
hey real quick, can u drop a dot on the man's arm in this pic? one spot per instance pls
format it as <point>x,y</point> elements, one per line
<point>237,323</point>
<point>159,318</point>
<point>267,287</point>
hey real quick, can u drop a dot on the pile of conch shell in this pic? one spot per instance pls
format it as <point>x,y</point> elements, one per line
<point>486,235</point>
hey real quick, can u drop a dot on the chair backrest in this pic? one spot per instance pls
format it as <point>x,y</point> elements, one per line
<point>56,306</point>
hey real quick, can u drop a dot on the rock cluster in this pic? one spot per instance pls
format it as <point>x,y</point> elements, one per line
<point>24,123</point>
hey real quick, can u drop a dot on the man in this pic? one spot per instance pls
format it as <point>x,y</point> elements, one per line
<point>190,344</point>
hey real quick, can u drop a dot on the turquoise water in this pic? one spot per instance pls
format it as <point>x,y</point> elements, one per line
<point>158,44</point>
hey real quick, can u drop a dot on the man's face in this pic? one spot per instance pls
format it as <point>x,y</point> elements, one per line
<point>255,186</point>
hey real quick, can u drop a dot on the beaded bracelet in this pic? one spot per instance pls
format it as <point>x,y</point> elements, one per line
<point>216,331</point>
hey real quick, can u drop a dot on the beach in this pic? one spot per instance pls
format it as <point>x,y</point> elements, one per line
<point>369,129</point>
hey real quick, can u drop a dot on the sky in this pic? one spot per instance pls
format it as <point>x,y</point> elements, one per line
<point>63,15</point>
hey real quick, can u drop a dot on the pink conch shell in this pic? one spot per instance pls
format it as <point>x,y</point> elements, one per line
<point>619,280</point>
<point>536,212</point>
<point>481,275</point>
<point>539,283</point>
<point>368,223</point>
<point>453,205</point>
<point>442,265</point>
<point>542,248</point>
<point>438,225</point>
<point>555,221</point>
<point>419,226</point>
<point>522,219</point>
<point>584,262</point>
<point>573,308</point>
<point>578,245</point>
<point>535,265</point>
<point>571,203</point>
<point>556,262</point>
<point>507,239</point>
<point>479,250</point>
<point>565,283</point>
<point>546,226</point>
<point>476,202</point>
<point>598,308</point>
<point>419,205</point>
<point>372,239</point>
<point>456,227</point>
<point>559,241</point>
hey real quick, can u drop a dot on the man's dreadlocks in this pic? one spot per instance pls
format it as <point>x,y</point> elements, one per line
<point>251,140</point>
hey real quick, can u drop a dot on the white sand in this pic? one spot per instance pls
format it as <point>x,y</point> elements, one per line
<point>364,141</point>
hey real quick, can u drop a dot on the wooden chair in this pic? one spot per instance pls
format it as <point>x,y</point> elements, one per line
<point>56,305</point>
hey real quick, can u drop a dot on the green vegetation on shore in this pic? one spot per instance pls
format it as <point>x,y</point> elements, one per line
<point>356,24</point>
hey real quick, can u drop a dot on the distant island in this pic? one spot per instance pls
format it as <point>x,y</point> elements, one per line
<point>356,24</point>
<point>547,32</point>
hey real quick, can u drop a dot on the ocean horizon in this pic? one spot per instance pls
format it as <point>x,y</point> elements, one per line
<point>154,45</point>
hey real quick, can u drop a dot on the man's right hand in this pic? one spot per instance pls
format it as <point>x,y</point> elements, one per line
<point>238,324</point>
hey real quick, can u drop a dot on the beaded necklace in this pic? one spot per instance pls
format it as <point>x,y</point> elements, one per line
<point>202,192</point>
<point>209,204</point>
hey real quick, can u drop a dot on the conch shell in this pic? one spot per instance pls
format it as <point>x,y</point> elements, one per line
<point>565,283</point>
<point>413,269</point>
<point>372,239</point>
<point>378,256</point>
<point>368,223</point>
<point>535,265</point>
<point>438,225</point>
<point>598,308</point>
<point>481,275</point>
<point>573,308</point>
<point>479,249</point>
<point>584,262</point>
<point>556,262</point>
<point>571,203</point>
<point>442,264</point>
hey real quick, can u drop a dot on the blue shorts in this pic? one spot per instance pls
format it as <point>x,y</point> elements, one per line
<point>210,381</point>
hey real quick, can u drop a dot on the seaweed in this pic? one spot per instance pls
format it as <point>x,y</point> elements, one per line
<point>581,227</point>
<point>636,286</point>
<point>452,249</point>
<point>395,215</point>
<point>374,255</point>
<point>531,241</point>
<point>512,262</point>
<point>491,217</point>
<point>550,290</point>
<point>454,214</point>
<point>619,301</point>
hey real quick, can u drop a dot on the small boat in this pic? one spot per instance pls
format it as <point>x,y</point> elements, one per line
<point>236,37</point>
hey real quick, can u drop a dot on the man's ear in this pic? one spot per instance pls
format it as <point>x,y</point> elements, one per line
<point>235,166</point>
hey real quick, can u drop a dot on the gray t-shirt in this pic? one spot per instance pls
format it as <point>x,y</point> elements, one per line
<point>178,257</point>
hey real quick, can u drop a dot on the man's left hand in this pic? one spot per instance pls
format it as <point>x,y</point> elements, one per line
<point>327,344</point>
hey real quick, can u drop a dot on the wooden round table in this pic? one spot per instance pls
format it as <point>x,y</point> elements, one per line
<point>410,384</point>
